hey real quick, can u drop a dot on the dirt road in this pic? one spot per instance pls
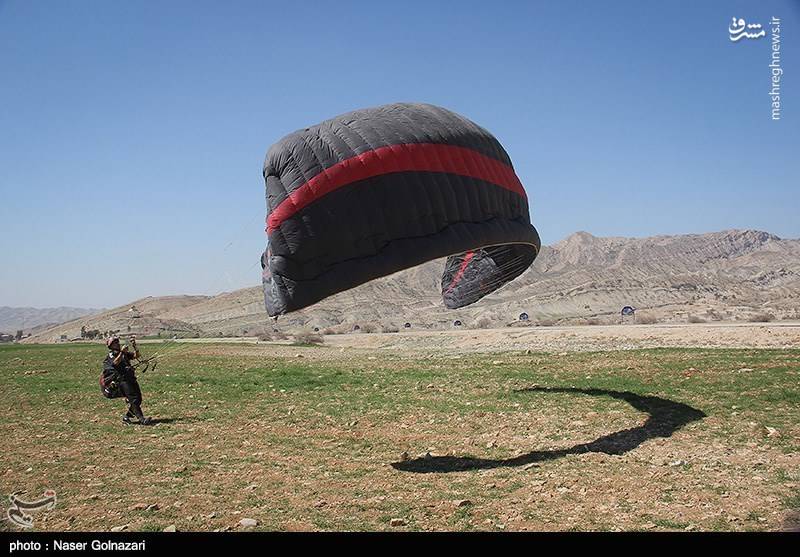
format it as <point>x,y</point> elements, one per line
<point>583,338</point>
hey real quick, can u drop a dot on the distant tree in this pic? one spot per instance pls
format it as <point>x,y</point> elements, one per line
<point>18,336</point>
<point>83,331</point>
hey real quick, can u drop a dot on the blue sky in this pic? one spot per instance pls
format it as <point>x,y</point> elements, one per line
<point>132,134</point>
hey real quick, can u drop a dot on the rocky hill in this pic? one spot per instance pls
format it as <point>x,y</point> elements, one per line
<point>730,275</point>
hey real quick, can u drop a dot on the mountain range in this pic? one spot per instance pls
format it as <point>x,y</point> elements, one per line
<point>13,319</point>
<point>583,279</point>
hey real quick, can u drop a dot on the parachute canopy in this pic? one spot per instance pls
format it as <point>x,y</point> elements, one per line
<point>375,191</point>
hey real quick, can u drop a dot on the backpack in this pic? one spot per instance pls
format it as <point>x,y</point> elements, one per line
<point>109,386</point>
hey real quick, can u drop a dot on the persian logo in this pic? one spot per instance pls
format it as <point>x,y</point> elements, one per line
<point>738,29</point>
<point>18,512</point>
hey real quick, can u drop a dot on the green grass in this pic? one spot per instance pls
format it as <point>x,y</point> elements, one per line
<point>330,428</point>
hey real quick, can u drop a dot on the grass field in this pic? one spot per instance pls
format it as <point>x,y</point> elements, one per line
<point>302,438</point>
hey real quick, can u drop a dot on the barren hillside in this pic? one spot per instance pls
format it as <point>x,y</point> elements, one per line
<point>143,317</point>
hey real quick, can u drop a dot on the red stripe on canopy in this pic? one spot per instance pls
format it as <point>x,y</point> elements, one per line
<point>467,258</point>
<point>404,157</point>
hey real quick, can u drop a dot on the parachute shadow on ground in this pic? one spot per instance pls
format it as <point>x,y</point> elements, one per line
<point>665,418</point>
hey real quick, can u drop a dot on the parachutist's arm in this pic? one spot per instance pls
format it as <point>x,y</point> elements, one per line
<point>118,357</point>
<point>135,347</point>
<point>126,352</point>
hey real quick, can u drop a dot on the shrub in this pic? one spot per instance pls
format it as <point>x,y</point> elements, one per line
<point>368,328</point>
<point>761,317</point>
<point>646,319</point>
<point>546,322</point>
<point>390,329</point>
<point>593,321</point>
<point>306,337</point>
<point>713,315</point>
<point>483,323</point>
<point>695,319</point>
<point>264,337</point>
<point>329,331</point>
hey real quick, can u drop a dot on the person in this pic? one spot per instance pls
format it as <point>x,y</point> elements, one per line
<point>118,364</point>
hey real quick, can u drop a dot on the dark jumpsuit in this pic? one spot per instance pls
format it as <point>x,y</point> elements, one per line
<point>126,377</point>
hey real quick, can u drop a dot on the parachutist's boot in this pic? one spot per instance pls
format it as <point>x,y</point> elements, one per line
<point>126,419</point>
<point>136,410</point>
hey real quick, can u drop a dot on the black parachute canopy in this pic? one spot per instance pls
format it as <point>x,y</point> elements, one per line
<point>375,191</point>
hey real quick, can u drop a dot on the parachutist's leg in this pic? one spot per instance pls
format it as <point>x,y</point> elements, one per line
<point>135,409</point>
<point>133,394</point>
